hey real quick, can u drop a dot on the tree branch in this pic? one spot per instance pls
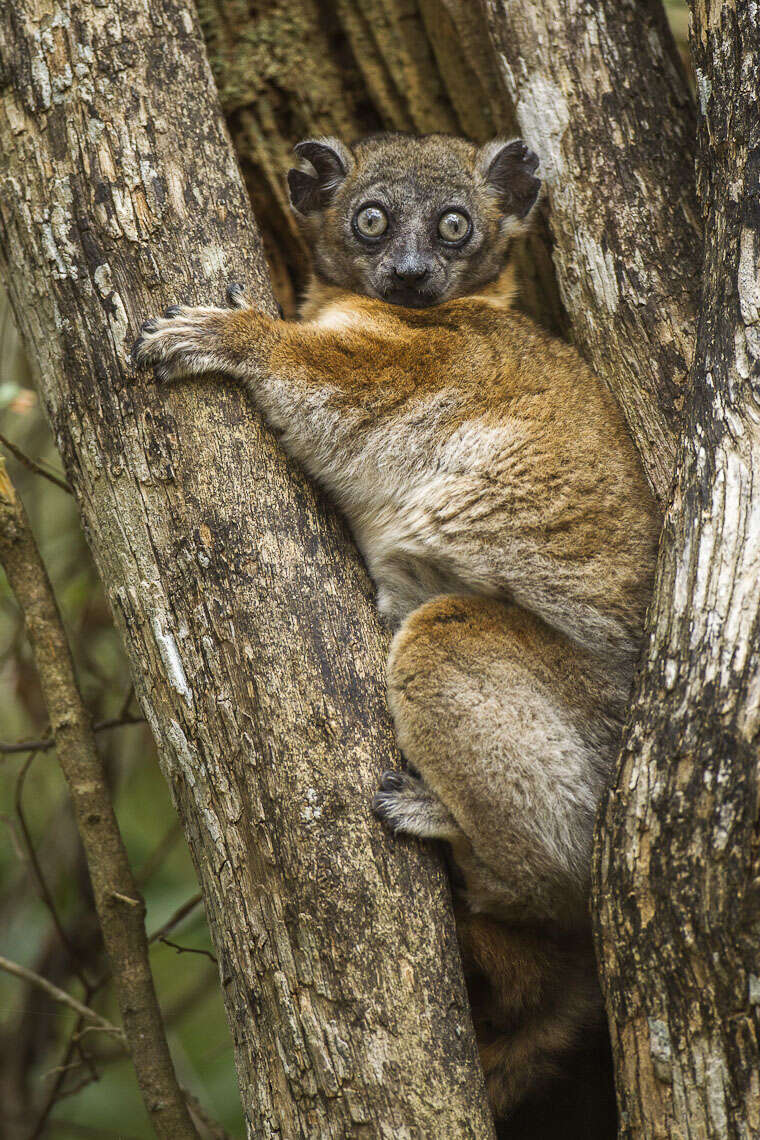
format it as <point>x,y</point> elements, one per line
<point>256,652</point>
<point>123,926</point>
<point>47,742</point>
<point>59,995</point>
<point>31,465</point>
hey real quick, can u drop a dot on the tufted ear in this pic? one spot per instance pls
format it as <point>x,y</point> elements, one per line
<point>509,169</point>
<point>325,163</point>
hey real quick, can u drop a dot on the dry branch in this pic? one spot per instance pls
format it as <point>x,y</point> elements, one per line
<point>32,465</point>
<point>122,925</point>
<point>58,995</point>
<point>44,743</point>
<point>248,618</point>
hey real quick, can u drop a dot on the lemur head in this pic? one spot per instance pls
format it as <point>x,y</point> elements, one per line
<point>412,220</point>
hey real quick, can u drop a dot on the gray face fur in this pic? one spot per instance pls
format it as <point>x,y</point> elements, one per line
<point>410,184</point>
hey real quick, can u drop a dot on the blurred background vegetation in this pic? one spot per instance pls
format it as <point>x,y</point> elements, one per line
<point>52,1081</point>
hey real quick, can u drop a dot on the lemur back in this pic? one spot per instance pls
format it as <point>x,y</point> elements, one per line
<point>490,483</point>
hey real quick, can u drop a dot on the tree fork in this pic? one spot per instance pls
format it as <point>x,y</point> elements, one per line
<point>245,610</point>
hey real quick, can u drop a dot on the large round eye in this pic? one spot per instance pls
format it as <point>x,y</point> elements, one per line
<point>454,226</point>
<point>371,221</point>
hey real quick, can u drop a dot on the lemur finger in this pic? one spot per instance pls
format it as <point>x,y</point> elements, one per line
<point>237,296</point>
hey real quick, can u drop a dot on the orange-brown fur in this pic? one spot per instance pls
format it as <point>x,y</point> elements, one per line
<point>491,484</point>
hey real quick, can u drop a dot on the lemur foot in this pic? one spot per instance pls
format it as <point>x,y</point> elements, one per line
<point>406,804</point>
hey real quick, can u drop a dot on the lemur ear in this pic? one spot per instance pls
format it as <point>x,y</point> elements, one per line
<point>325,163</point>
<point>509,168</point>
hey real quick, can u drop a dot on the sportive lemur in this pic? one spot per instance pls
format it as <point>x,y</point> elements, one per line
<point>500,506</point>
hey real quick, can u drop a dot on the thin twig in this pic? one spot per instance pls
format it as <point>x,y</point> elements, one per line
<point>55,1094</point>
<point>189,950</point>
<point>47,742</point>
<point>158,854</point>
<point>123,926</point>
<point>24,459</point>
<point>126,703</point>
<point>31,853</point>
<point>58,995</point>
<point>180,913</point>
<point>212,1127</point>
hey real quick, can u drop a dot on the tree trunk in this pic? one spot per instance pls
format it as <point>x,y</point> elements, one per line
<point>245,610</point>
<point>679,915</point>
<point>296,68</point>
<point>600,94</point>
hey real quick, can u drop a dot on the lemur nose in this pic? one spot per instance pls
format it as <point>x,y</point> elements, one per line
<point>411,272</point>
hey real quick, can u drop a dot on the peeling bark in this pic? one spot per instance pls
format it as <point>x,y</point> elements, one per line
<point>678,868</point>
<point>246,613</point>
<point>600,95</point>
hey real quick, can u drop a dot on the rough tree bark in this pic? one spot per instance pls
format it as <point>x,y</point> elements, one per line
<point>293,68</point>
<point>679,920</point>
<point>600,94</point>
<point>599,97</point>
<point>245,611</point>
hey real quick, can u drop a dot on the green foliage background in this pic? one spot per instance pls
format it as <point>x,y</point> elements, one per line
<point>187,983</point>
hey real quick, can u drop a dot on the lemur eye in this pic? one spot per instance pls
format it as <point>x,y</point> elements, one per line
<point>454,226</point>
<point>371,221</point>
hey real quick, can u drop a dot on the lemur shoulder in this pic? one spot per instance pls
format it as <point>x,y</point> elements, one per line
<point>499,503</point>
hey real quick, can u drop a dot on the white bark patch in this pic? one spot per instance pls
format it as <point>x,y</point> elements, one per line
<point>175,190</point>
<point>182,751</point>
<point>543,117</point>
<point>56,227</point>
<point>601,271</point>
<point>190,765</point>
<point>41,77</point>
<point>115,311</point>
<point>167,648</point>
<point>312,809</point>
<point>715,1087</point>
<point>704,89</point>
<point>214,260</point>
<point>754,990</point>
<point>749,722</point>
<point>660,1050</point>
<point>748,279</point>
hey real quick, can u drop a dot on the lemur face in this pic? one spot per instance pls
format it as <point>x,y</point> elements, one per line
<point>414,221</point>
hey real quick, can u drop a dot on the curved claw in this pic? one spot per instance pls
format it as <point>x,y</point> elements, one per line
<point>236,295</point>
<point>392,781</point>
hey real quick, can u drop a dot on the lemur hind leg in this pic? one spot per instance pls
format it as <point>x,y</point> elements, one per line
<point>512,729</point>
